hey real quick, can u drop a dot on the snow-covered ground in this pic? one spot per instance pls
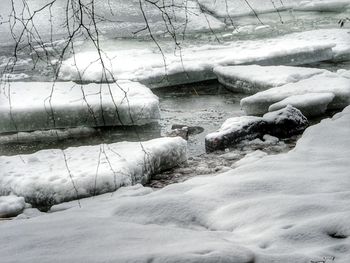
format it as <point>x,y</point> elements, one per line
<point>28,106</point>
<point>53,176</point>
<point>292,207</point>
<point>197,63</point>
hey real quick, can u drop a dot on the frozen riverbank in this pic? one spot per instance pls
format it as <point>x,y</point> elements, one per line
<point>271,208</point>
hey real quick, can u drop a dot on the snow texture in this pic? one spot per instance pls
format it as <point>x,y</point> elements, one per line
<point>53,176</point>
<point>11,205</point>
<point>282,123</point>
<point>28,106</point>
<point>310,104</point>
<point>197,63</point>
<point>292,207</point>
<point>260,102</point>
<point>255,78</point>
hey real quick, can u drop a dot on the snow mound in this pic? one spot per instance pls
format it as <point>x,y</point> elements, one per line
<point>282,123</point>
<point>260,102</point>
<point>11,205</point>
<point>254,78</point>
<point>292,207</point>
<point>196,63</point>
<point>28,106</point>
<point>53,176</point>
<point>310,104</point>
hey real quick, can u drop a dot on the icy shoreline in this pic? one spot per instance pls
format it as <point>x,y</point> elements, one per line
<point>272,208</point>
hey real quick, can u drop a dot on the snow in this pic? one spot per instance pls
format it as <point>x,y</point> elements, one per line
<point>53,176</point>
<point>11,205</point>
<point>260,102</point>
<point>28,106</point>
<point>196,63</point>
<point>291,207</point>
<point>250,158</point>
<point>310,104</point>
<point>254,78</point>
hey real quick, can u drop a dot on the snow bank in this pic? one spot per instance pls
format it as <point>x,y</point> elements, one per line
<point>292,207</point>
<point>11,205</point>
<point>27,106</point>
<point>259,103</point>
<point>197,63</point>
<point>53,176</point>
<point>254,78</point>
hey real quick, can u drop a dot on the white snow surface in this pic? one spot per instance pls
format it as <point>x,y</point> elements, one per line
<point>253,78</point>
<point>28,106</point>
<point>310,104</point>
<point>291,207</point>
<point>11,205</point>
<point>53,176</point>
<point>196,63</point>
<point>260,102</point>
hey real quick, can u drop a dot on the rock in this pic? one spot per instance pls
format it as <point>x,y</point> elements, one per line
<point>285,122</point>
<point>192,130</point>
<point>183,133</point>
<point>282,123</point>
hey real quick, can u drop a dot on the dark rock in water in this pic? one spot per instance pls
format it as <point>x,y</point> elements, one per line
<point>283,123</point>
<point>286,122</point>
<point>192,130</point>
<point>183,133</point>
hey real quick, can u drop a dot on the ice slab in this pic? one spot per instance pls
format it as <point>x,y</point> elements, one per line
<point>323,5</point>
<point>11,205</point>
<point>121,18</point>
<point>291,207</point>
<point>310,104</point>
<point>234,8</point>
<point>254,78</point>
<point>28,106</point>
<point>282,123</point>
<point>197,63</point>
<point>260,102</point>
<point>52,176</point>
